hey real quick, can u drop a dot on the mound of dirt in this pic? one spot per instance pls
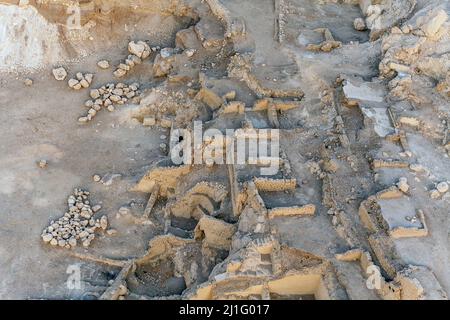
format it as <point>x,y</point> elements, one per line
<point>28,40</point>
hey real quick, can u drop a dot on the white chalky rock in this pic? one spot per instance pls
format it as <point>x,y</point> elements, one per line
<point>190,52</point>
<point>109,178</point>
<point>403,185</point>
<point>111,232</point>
<point>62,243</point>
<point>72,82</point>
<point>73,225</point>
<point>103,64</point>
<point>95,94</point>
<point>124,211</point>
<point>73,242</point>
<point>149,121</point>
<point>86,243</point>
<point>117,92</point>
<point>83,234</point>
<point>417,168</point>
<point>119,73</point>
<point>166,52</point>
<point>89,77</point>
<point>135,59</point>
<point>433,22</point>
<point>122,290</point>
<point>136,48</point>
<point>124,67</point>
<point>47,237</point>
<point>59,73</point>
<point>435,194</point>
<point>359,24</point>
<point>84,83</point>
<point>42,164</point>
<point>442,187</point>
<point>104,222</point>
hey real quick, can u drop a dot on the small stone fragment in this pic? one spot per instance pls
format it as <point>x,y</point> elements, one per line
<point>73,242</point>
<point>47,237</point>
<point>104,222</point>
<point>149,121</point>
<point>359,24</point>
<point>137,48</point>
<point>435,194</point>
<point>111,232</point>
<point>84,83</point>
<point>190,52</point>
<point>59,73</point>
<point>119,73</point>
<point>72,82</point>
<point>103,64</point>
<point>94,93</point>
<point>109,178</point>
<point>442,187</point>
<point>124,211</point>
<point>42,164</point>
<point>403,185</point>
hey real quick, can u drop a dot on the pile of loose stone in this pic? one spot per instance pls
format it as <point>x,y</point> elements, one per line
<point>77,225</point>
<point>81,81</point>
<point>108,95</point>
<point>139,51</point>
<point>441,189</point>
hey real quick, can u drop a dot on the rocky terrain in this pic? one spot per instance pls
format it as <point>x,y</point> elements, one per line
<point>353,96</point>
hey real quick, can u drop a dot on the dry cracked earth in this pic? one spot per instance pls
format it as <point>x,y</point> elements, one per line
<point>94,96</point>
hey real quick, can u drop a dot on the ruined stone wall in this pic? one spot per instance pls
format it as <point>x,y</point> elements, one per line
<point>273,185</point>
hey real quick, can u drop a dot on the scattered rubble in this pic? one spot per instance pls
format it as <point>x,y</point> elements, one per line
<point>109,178</point>
<point>359,24</point>
<point>109,95</point>
<point>81,81</point>
<point>327,45</point>
<point>42,164</point>
<point>103,64</point>
<point>403,185</point>
<point>442,187</point>
<point>139,51</point>
<point>77,226</point>
<point>359,98</point>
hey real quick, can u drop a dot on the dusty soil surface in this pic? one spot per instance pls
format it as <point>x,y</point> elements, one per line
<point>373,111</point>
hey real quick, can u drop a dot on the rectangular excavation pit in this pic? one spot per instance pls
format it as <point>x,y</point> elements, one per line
<point>398,213</point>
<point>296,286</point>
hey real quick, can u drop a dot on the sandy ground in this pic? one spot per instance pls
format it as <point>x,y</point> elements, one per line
<point>40,122</point>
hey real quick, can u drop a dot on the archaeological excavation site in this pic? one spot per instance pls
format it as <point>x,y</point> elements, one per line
<point>225,150</point>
